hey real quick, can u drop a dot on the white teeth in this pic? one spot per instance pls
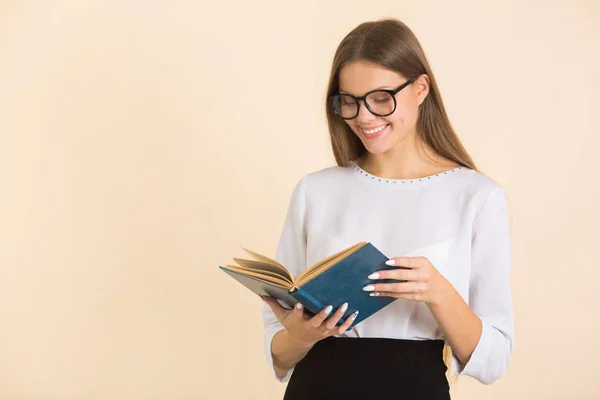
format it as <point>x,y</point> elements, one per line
<point>372,131</point>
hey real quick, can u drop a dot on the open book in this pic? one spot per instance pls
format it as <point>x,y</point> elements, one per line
<point>333,281</point>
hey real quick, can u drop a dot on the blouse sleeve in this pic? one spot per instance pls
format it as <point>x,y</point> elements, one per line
<point>489,292</point>
<point>291,253</point>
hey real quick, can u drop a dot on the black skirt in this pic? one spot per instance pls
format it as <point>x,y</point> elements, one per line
<point>371,368</point>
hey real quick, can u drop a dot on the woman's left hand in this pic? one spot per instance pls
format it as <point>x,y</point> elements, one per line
<point>423,281</point>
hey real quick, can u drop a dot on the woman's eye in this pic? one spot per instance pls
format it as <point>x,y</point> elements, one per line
<point>382,100</point>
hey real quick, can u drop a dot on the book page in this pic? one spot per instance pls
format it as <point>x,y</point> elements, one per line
<point>322,265</point>
<point>260,257</point>
<point>260,266</point>
<point>274,264</point>
<point>262,275</point>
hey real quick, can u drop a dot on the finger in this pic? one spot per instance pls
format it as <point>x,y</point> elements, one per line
<point>386,294</point>
<point>333,320</point>
<point>408,262</point>
<point>405,296</point>
<point>398,274</point>
<point>344,327</point>
<point>400,287</point>
<point>298,311</point>
<point>318,319</point>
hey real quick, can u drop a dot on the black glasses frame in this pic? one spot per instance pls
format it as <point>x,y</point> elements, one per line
<point>363,98</point>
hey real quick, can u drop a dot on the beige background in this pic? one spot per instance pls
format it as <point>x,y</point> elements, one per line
<point>143,142</point>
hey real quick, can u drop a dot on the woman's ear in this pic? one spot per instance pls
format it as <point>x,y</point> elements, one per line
<point>422,88</point>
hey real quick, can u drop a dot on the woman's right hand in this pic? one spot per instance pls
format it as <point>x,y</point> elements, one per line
<point>305,330</point>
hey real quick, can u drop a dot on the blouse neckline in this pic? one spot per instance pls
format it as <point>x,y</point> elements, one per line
<point>361,173</point>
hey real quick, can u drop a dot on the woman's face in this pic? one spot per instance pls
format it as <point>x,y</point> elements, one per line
<point>382,134</point>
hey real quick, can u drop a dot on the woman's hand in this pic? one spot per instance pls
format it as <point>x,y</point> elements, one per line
<point>306,331</point>
<point>422,281</point>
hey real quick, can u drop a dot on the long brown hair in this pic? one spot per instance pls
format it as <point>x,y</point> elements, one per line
<point>391,44</point>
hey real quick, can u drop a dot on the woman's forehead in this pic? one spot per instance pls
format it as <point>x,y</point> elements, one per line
<point>360,77</point>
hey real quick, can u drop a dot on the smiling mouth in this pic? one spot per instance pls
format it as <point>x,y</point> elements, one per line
<point>374,131</point>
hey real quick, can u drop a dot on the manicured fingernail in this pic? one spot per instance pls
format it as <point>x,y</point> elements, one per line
<point>373,276</point>
<point>390,262</point>
<point>344,307</point>
<point>353,316</point>
<point>299,306</point>
<point>369,288</point>
<point>328,309</point>
<point>374,294</point>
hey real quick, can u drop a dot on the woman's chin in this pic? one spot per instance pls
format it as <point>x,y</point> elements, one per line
<point>376,148</point>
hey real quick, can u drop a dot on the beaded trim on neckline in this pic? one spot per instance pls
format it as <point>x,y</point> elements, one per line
<point>397,182</point>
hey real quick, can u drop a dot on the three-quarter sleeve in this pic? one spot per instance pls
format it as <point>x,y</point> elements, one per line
<point>291,253</point>
<point>489,291</point>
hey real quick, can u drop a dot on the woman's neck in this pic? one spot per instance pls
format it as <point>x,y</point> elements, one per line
<point>410,161</point>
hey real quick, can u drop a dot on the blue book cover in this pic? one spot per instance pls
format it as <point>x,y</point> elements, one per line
<point>333,281</point>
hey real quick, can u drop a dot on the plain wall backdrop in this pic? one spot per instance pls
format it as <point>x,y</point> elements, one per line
<point>143,142</point>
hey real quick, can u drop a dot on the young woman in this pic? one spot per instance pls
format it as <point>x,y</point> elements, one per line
<point>404,182</point>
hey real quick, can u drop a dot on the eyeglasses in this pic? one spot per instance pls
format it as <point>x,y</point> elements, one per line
<point>379,102</point>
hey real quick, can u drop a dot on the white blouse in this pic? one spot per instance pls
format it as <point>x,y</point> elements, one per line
<point>458,219</point>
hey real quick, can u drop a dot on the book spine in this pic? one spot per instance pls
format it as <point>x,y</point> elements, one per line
<point>308,301</point>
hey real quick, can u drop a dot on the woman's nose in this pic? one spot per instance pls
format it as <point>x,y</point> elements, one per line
<point>364,115</point>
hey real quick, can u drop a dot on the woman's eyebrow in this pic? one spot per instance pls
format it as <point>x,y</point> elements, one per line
<point>377,88</point>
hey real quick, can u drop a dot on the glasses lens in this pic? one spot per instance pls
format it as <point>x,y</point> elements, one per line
<point>344,105</point>
<point>381,103</point>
